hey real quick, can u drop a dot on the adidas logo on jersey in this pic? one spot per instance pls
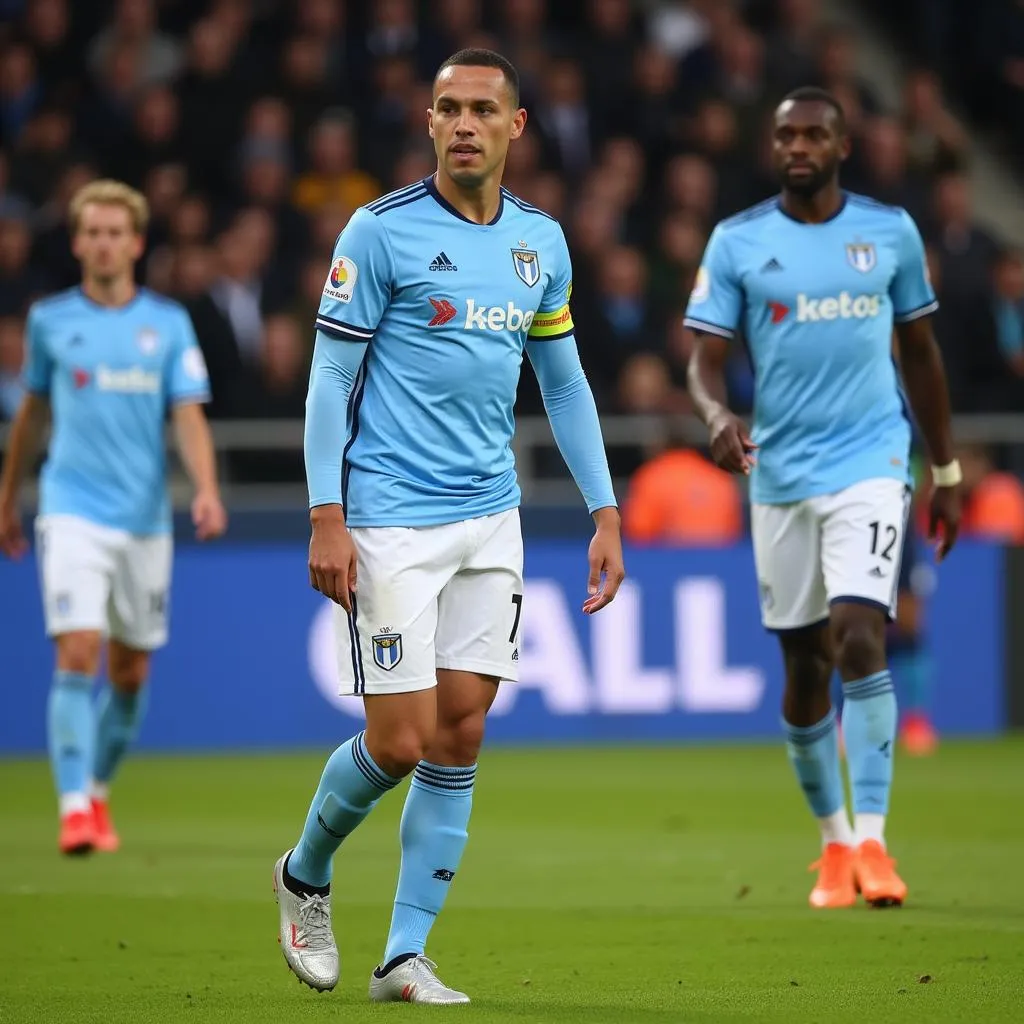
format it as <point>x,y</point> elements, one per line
<point>842,307</point>
<point>441,262</point>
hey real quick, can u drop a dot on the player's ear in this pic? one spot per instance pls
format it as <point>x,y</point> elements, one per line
<point>138,246</point>
<point>844,147</point>
<point>430,121</point>
<point>518,123</point>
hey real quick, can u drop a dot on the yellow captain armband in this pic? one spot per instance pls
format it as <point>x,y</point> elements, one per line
<point>552,326</point>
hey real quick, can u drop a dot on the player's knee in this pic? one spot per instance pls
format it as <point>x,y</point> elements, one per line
<point>860,649</point>
<point>79,652</point>
<point>128,668</point>
<point>458,741</point>
<point>398,751</point>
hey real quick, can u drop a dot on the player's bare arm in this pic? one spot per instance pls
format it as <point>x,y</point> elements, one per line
<point>26,436</point>
<point>731,445</point>
<point>196,447</point>
<point>925,379</point>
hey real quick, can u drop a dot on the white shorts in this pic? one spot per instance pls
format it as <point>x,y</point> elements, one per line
<point>836,547</point>
<point>432,597</point>
<point>99,579</point>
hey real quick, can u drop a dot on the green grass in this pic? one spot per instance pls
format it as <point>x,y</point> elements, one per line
<point>612,885</point>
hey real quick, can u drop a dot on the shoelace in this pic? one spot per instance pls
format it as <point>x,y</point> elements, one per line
<point>315,918</point>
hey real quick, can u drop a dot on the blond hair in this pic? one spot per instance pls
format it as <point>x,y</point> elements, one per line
<point>107,192</point>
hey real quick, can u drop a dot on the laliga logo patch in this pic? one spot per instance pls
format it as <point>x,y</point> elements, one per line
<point>341,281</point>
<point>701,286</point>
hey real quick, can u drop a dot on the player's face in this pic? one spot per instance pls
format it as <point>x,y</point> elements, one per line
<point>472,122</point>
<point>807,146</point>
<point>106,243</point>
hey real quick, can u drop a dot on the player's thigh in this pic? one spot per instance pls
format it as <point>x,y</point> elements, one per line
<point>787,556</point>
<point>863,534</point>
<point>76,564</point>
<point>386,643</point>
<point>140,592</point>
<point>480,608</point>
<point>463,700</point>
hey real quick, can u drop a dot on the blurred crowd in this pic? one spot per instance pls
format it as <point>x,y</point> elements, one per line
<point>256,127</point>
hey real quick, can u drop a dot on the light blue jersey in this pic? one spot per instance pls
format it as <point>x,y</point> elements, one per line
<point>446,307</point>
<point>109,374</point>
<point>816,304</point>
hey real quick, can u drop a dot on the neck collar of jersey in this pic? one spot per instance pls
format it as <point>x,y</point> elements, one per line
<point>812,224</point>
<point>117,309</point>
<point>433,190</point>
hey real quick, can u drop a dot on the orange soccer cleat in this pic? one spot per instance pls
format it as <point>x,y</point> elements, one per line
<point>875,872</point>
<point>918,735</point>
<point>77,833</point>
<point>835,886</point>
<point>107,840</point>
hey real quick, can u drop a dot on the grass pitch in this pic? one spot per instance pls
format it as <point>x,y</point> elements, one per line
<point>599,885</point>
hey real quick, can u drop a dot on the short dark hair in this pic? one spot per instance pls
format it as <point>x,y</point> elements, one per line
<point>477,57</point>
<point>812,94</point>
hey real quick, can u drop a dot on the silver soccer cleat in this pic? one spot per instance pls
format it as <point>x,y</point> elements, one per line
<point>305,934</point>
<point>414,982</point>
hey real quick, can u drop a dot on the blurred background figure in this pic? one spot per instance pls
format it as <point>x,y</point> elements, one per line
<point>679,497</point>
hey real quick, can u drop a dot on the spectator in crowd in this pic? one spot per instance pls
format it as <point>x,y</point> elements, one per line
<point>680,498</point>
<point>12,357</point>
<point>993,499</point>
<point>333,177</point>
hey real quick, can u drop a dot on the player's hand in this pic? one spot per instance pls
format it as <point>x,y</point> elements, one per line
<point>208,515</point>
<point>607,570</point>
<point>332,556</point>
<point>12,538</point>
<point>731,446</point>
<point>945,509</point>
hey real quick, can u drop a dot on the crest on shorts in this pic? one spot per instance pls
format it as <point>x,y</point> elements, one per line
<point>527,264</point>
<point>861,256</point>
<point>387,649</point>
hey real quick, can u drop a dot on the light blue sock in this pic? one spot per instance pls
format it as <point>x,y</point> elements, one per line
<point>349,789</point>
<point>912,672</point>
<point>814,753</point>
<point>433,834</point>
<point>71,731</point>
<point>119,716</point>
<point>869,729</point>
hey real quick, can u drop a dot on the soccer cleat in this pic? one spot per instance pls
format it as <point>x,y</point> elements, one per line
<point>835,886</point>
<point>77,833</point>
<point>305,934</point>
<point>875,872</point>
<point>413,981</point>
<point>107,839</point>
<point>918,735</point>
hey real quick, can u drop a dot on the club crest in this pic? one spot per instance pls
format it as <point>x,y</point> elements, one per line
<point>861,256</point>
<point>387,650</point>
<point>148,341</point>
<point>527,265</point>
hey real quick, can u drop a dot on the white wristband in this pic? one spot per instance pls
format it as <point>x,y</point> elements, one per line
<point>948,475</point>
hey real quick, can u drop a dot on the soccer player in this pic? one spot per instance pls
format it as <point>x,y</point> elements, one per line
<point>434,292</point>
<point>105,360</point>
<point>816,278</point>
